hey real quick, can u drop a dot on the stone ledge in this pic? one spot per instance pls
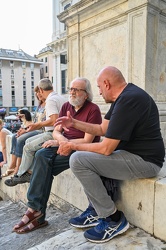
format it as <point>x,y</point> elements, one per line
<point>143,200</point>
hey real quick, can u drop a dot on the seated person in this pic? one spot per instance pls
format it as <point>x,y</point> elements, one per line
<point>132,148</point>
<point>47,163</point>
<point>52,108</point>
<point>3,156</point>
<point>26,118</point>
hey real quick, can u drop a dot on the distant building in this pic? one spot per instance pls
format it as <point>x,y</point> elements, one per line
<point>46,68</point>
<point>54,56</point>
<point>19,74</point>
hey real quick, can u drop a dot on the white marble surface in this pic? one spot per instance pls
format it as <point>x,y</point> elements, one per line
<point>133,239</point>
<point>160,209</point>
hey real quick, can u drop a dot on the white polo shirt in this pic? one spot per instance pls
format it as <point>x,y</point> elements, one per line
<point>53,105</point>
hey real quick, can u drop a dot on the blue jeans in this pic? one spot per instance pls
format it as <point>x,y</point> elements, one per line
<point>18,143</point>
<point>46,164</point>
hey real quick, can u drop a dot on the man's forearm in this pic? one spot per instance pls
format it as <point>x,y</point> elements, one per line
<point>46,123</point>
<point>90,147</point>
<point>58,136</point>
<point>49,122</point>
<point>93,129</point>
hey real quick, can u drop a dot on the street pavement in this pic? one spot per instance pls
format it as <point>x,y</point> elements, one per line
<point>59,235</point>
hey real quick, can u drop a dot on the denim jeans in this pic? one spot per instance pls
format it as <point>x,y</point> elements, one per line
<point>120,165</point>
<point>18,143</point>
<point>47,164</point>
<point>32,145</point>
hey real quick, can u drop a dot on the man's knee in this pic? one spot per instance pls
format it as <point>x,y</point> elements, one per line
<point>40,153</point>
<point>76,159</point>
<point>27,147</point>
<point>28,140</point>
<point>32,145</point>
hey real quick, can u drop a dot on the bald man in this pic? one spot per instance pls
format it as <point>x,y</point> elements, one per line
<point>132,148</point>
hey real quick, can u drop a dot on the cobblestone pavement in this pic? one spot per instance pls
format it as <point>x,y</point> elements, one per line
<point>11,213</point>
<point>59,235</point>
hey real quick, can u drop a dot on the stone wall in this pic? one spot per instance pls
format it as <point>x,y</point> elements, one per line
<point>128,34</point>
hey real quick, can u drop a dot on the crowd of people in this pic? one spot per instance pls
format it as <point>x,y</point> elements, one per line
<point>67,134</point>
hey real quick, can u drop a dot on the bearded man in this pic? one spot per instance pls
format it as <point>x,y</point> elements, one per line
<point>48,163</point>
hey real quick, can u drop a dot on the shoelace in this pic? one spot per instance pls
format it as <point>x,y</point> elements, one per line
<point>107,228</point>
<point>102,225</point>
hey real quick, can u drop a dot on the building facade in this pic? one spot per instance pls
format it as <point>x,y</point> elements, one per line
<point>57,69</point>
<point>46,68</point>
<point>19,74</point>
<point>54,56</point>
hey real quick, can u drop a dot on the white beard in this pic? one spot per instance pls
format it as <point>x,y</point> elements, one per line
<point>78,101</point>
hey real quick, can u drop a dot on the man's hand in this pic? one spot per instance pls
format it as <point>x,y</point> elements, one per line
<point>65,122</point>
<point>50,143</point>
<point>33,126</point>
<point>64,148</point>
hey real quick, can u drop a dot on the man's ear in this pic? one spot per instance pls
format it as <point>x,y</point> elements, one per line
<point>86,97</point>
<point>41,90</point>
<point>107,84</point>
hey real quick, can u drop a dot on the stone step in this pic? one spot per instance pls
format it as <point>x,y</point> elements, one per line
<point>142,201</point>
<point>133,239</point>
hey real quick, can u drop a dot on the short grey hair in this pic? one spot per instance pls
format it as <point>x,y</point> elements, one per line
<point>45,84</point>
<point>87,87</point>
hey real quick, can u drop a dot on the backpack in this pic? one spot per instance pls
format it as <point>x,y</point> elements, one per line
<point>112,187</point>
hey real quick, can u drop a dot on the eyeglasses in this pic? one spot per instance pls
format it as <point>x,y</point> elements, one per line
<point>76,90</point>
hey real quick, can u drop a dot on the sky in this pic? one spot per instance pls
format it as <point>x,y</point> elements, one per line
<point>25,24</point>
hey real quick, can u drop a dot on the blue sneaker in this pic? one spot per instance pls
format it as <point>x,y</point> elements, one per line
<point>87,219</point>
<point>106,230</point>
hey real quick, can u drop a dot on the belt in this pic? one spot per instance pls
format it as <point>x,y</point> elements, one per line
<point>49,130</point>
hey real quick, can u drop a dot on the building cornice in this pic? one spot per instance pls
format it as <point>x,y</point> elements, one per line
<point>87,6</point>
<point>20,60</point>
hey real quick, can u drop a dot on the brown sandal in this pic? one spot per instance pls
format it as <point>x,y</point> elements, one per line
<point>31,216</point>
<point>35,224</point>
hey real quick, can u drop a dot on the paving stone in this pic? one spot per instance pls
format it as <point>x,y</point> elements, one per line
<point>11,213</point>
<point>59,235</point>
